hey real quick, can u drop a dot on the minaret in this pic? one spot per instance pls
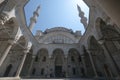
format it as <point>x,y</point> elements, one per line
<point>33,19</point>
<point>83,18</point>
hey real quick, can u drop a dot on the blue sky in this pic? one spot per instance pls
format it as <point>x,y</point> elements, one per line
<point>56,13</point>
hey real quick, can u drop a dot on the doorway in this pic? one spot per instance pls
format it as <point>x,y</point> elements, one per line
<point>58,71</point>
<point>58,63</point>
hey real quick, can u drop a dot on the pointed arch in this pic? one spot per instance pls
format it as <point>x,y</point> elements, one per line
<point>95,48</point>
<point>111,38</point>
<point>106,31</point>
<point>97,55</point>
<point>16,54</point>
<point>88,64</point>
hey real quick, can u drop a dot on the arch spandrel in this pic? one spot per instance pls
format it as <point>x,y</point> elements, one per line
<point>106,31</point>
<point>95,48</point>
<point>20,44</point>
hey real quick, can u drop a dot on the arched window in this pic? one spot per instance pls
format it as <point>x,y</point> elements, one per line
<point>7,71</point>
<point>88,64</point>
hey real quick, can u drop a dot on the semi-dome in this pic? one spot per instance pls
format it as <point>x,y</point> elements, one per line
<point>58,35</point>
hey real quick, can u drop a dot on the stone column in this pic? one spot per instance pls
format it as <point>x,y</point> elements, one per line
<point>112,60</point>
<point>84,65</point>
<point>48,67</point>
<point>10,43</point>
<point>51,65</point>
<point>31,65</point>
<point>65,67</point>
<point>21,64</point>
<point>93,65</point>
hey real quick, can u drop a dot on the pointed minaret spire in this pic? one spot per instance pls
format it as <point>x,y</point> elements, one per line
<point>83,18</point>
<point>33,19</point>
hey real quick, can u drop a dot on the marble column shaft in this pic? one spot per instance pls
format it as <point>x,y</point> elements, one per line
<point>10,43</point>
<point>112,60</point>
<point>93,65</point>
<point>83,61</point>
<point>31,65</point>
<point>21,64</point>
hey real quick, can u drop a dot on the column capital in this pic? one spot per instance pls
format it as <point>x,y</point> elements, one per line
<point>101,41</point>
<point>11,42</point>
<point>26,51</point>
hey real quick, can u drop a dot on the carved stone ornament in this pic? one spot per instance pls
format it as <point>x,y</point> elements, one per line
<point>3,18</point>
